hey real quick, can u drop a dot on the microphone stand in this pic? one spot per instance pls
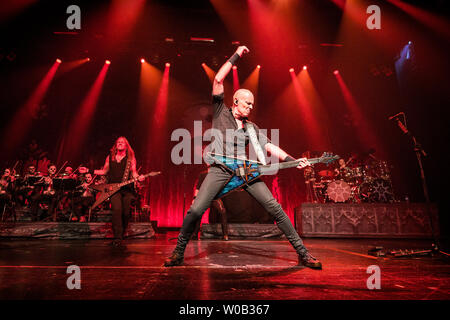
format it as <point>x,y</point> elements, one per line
<point>419,151</point>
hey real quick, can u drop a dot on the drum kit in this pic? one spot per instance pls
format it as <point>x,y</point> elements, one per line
<point>367,181</point>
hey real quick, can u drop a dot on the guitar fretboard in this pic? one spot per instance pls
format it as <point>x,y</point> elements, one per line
<point>285,165</point>
<point>134,180</point>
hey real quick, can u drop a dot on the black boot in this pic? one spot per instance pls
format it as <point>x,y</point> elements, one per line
<point>176,259</point>
<point>116,242</point>
<point>307,260</point>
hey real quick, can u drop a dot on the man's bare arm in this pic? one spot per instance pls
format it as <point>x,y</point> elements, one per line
<point>105,169</point>
<point>276,151</point>
<point>282,155</point>
<point>134,172</point>
<point>224,70</point>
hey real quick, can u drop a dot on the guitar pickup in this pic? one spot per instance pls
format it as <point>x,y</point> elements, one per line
<point>240,172</point>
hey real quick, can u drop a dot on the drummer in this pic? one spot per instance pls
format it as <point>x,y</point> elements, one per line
<point>342,171</point>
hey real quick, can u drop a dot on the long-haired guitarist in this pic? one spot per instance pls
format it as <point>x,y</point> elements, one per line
<point>236,119</point>
<point>120,165</point>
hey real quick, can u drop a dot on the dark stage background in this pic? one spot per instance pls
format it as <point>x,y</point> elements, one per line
<point>280,35</point>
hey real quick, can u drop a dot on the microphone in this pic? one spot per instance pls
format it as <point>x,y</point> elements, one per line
<point>396,116</point>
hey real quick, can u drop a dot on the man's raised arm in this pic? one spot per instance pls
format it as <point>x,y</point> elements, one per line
<point>225,69</point>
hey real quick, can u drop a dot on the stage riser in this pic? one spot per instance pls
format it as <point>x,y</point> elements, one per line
<point>24,215</point>
<point>399,220</point>
<point>72,230</point>
<point>242,231</point>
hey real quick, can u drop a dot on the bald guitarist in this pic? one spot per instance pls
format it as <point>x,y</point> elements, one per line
<point>236,119</point>
<point>120,165</point>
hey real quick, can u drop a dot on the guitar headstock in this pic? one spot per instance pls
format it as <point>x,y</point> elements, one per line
<point>328,157</point>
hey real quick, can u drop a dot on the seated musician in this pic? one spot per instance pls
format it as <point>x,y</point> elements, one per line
<point>65,187</point>
<point>84,198</point>
<point>25,190</point>
<point>68,173</point>
<point>7,182</point>
<point>45,194</point>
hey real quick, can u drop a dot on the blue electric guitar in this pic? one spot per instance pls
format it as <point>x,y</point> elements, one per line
<point>243,171</point>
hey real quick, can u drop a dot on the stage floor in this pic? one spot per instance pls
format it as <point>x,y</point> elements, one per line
<point>217,270</point>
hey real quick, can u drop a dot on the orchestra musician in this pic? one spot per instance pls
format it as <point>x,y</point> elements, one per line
<point>25,190</point>
<point>7,183</point>
<point>45,194</point>
<point>68,173</point>
<point>65,192</point>
<point>84,199</point>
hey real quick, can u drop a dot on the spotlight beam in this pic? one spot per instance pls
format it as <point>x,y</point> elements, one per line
<point>236,84</point>
<point>252,81</point>
<point>365,132</point>
<point>209,72</point>
<point>20,125</point>
<point>82,120</point>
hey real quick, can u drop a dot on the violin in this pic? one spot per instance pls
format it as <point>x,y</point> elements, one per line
<point>48,180</point>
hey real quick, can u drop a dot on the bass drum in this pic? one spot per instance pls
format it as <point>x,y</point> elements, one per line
<point>382,191</point>
<point>339,191</point>
<point>365,192</point>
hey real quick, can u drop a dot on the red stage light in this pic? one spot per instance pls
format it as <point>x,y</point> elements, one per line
<point>305,67</point>
<point>258,66</point>
<point>202,39</point>
<point>88,59</point>
<point>142,60</point>
<point>336,72</point>
<point>203,64</point>
<point>58,60</point>
<point>291,70</point>
<point>234,67</point>
<point>108,62</point>
<point>167,64</point>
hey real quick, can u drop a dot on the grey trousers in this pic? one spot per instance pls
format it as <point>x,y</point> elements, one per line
<point>214,181</point>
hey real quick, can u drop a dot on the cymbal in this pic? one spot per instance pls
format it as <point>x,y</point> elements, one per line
<point>326,173</point>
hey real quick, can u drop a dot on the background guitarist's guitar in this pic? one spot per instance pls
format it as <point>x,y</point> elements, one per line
<point>107,190</point>
<point>244,171</point>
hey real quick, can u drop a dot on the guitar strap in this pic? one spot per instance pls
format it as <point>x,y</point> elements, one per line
<point>255,143</point>
<point>127,170</point>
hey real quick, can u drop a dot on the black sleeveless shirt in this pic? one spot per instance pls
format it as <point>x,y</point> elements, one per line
<point>116,171</point>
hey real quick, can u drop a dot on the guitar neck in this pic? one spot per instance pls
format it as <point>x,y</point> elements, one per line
<point>284,165</point>
<point>134,180</point>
